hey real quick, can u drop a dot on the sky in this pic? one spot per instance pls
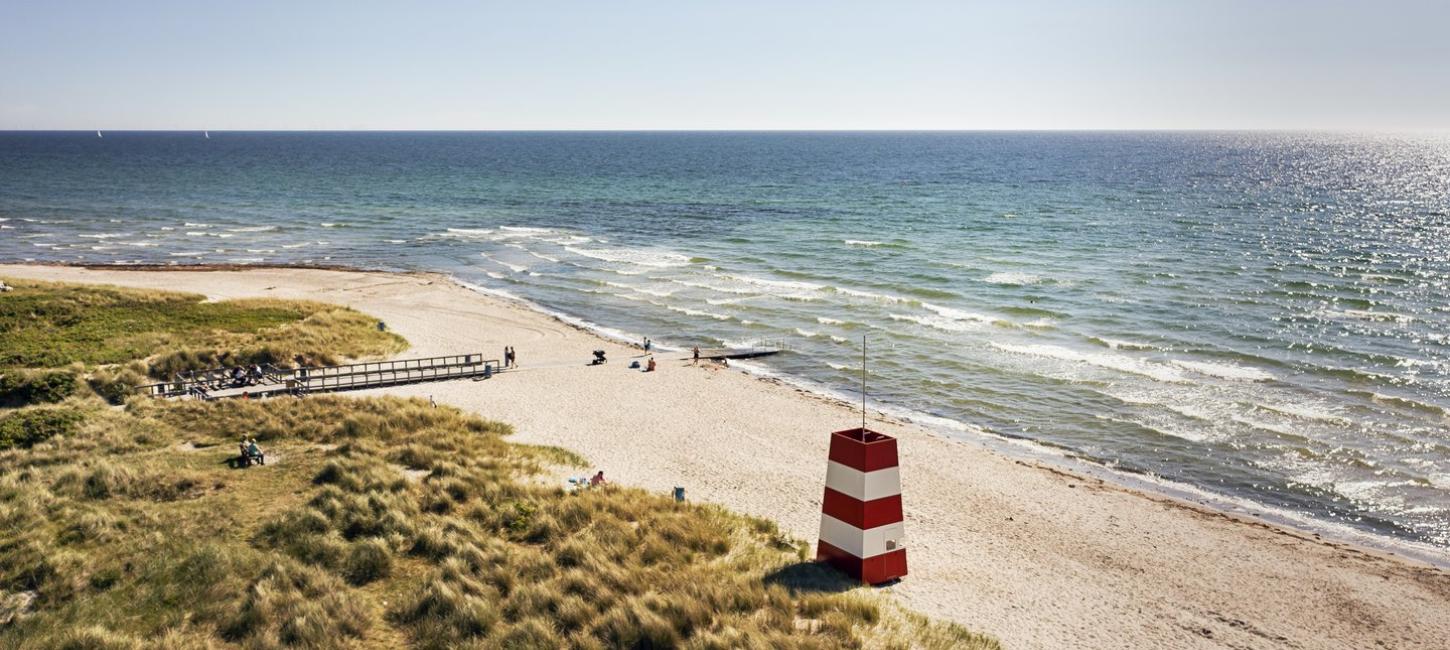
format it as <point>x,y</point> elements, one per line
<point>683,64</point>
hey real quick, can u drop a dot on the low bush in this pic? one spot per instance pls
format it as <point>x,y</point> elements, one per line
<point>32,426</point>
<point>27,387</point>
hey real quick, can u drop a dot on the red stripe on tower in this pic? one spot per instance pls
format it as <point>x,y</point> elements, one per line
<point>861,522</point>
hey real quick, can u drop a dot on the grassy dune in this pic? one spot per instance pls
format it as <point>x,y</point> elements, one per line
<point>57,339</point>
<point>378,523</point>
<point>385,522</point>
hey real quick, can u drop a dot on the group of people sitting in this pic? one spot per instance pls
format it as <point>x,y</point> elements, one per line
<point>246,376</point>
<point>236,377</point>
<point>250,453</point>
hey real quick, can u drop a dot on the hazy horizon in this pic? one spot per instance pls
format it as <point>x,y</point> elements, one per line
<point>813,66</point>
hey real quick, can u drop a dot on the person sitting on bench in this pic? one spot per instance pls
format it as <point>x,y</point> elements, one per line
<point>251,453</point>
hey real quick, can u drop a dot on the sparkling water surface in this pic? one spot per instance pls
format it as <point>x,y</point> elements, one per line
<point>1262,316</point>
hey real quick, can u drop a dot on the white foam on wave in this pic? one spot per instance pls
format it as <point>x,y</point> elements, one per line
<point>1405,402</point>
<point>937,322</point>
<point>1117,362</point>
<point>546,258</point>
<point>1364,315</point>
<point>829,321</point>
<point>840,366</point>
<point>861,243</point>
<point>787,287</point>
<point>957,314</point>
<point>105,235</point>
<point>512,267</point>
<point>878,297</point>
<point>726,301</point>
<point>716,287</point>
<point>696,312</point>
<point>1118,344</point>
<point>253,229</point>
<point>526,229</point>
<point>1189,411</point>
<point>1013,277</point>
<point>1264,426</point>
<point>468,232</point>
<point>189,224</point>
<point>189,253</point>
<point>296,245</point>
<point>332,225</point>
<point>806,333</point>
<point>634,256</point>
<point>1224,370</point>
<point>1304,412</point>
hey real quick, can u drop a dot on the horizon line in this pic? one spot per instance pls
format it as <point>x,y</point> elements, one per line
<point>1337,130</point>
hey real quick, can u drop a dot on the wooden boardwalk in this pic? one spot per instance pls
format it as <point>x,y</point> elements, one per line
<point>325,379</point>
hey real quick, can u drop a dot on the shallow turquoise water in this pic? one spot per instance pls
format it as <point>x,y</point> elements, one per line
<point>1263,316</point>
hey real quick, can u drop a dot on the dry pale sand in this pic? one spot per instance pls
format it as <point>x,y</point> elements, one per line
<point>1038,557</point>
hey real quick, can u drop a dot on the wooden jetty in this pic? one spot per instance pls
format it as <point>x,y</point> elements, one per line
<point>716,354</point>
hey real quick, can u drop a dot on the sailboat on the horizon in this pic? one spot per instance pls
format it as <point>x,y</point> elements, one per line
<point>207,134</point>
<point>98,133</point>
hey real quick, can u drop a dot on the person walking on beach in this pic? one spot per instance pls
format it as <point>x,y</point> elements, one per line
<point>513,357</point>
<point>647,344</point>
<point>696,360</point>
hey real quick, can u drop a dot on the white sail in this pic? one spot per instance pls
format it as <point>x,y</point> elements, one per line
<point>98,134</point>
<point>207,134</point>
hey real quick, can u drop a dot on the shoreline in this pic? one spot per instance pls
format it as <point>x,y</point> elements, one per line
<point>1048,456</point>
<point>1017,475</point>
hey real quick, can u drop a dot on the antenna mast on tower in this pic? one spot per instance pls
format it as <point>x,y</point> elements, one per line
<point>863,382</point>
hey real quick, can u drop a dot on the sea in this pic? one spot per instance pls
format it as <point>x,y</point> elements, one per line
<point>1253,319</point>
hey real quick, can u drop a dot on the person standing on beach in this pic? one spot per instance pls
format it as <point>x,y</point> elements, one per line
<point>696,360</point>
<point>647,344</point>
<point>513,357</point>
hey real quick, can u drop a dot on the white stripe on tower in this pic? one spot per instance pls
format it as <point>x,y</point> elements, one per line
<point>863,486</point>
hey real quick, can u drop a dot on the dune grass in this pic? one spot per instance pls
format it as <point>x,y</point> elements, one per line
<point>54,335</point>
<point>385,522</point>
<point>376,523</point>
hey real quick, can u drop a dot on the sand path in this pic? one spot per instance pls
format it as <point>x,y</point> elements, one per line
<point>1038,557</point>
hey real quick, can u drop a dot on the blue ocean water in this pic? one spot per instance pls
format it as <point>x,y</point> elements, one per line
<point>1261,316</point>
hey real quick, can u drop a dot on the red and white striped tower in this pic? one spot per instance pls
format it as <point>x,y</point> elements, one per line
<point>861,523</point>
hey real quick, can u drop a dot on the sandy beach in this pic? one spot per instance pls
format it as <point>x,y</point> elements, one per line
<point>1034,555</point>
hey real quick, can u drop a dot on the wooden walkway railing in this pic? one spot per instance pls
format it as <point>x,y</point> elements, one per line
<point>212,384</point>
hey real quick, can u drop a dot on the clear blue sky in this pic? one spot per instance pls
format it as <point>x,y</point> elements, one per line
<point>682,64</point>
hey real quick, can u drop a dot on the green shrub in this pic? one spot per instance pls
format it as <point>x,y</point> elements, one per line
<point>31,426</point>
<point>26,387</point>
